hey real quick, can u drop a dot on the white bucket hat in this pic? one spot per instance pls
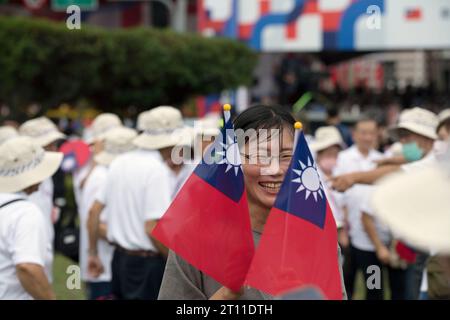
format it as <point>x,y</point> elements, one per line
<point>443,116</point>
<point>24,163</point>
<point>42,130</point>
<point>140,123</point>
<point>416,206</point>
<point>7,132</point>
<point>419,121</point>
<point>116,142</point>
<point>326,137</point>
<point>102,124</point>
<point>162,127</point>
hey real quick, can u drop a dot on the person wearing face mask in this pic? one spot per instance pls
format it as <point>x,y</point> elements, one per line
<point>326,145</point>
<point>416,131</point>
<point>443,132</point>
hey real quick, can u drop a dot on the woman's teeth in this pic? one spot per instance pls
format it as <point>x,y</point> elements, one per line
<point>271,186</point>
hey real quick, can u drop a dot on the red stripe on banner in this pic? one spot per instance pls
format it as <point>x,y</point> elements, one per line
<point>291,30</point>
<point>245,31</point>
<point>201,22</point>
<point>413,14</point>
<point>264,7</point>
<point>331,21</point>
<point>311,7</point>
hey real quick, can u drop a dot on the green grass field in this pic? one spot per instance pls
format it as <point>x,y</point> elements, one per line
<point>60,277</point>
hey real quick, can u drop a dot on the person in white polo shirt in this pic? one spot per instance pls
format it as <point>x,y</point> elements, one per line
<point>361,156</point>
<point>23,228</point>
<point>116,141</point>
<point>46,134</point>
<point>7,132</point>
<point>138,192</point>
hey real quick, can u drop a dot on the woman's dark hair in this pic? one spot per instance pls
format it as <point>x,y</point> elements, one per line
<point>264,117</point>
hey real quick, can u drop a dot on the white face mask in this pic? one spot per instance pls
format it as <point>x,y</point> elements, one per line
<point>440,146</point>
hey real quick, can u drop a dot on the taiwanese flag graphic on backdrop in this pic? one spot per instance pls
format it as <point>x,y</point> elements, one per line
<point>208,223</point>
<point>299,244</point>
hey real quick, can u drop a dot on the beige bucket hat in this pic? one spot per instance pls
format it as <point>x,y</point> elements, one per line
<point>443,116</point>
<point>416,205</point>
<point>7,132</point>
<point>419,121</point>
<point>101,125</point>
<point>326,137</point>
<point>162,127</point>
<point>42,130</point>
<point>24,163</point>
<point>116,142</point>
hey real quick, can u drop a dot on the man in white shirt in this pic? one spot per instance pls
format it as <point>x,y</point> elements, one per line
<point>23,227</point>
<point>138,192</point>
<point>373,249</point>
<point>362,156</point>
<point>45,133</point>
<point>416,131</point>
<point>88,181</point>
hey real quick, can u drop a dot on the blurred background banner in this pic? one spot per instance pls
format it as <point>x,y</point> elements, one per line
<point>316,25</point>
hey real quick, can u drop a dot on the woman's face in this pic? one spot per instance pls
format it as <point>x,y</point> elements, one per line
<point>264,165</point>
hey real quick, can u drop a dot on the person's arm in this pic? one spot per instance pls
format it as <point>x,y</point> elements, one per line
<point>33,279</point>
<point>149,226</point>
<point>95,266</point>
<point>102,231</point>
<point>369,226</point>
<point>346,181</point>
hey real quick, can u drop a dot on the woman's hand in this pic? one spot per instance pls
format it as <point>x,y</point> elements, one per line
<point>226,294</point>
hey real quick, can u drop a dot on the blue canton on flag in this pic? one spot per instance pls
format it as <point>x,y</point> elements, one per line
<point>223,170</point>
<point>302,193</point>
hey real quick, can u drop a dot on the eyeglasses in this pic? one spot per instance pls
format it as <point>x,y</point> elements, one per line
<point>283,158</point>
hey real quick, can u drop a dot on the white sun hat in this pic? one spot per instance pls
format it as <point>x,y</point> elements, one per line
<point>116,142</point>
<point>24,163</point>
<point>7,132</point>
<point>101,125</point>
<point>419,121</point>
<point>42,130</point>
<point>162,127</point>
<point>140,123</point>
<point>416,205</point>
<point>326,137</point>
<point>443,116</point>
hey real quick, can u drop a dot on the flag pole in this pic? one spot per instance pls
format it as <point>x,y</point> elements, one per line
<point>226,112</point>
<point>298,126</point>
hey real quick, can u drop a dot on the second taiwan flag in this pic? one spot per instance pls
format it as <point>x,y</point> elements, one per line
<point>299,244</point>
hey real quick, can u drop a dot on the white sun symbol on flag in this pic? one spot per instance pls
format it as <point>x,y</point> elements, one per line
<point>309,180</point>
<point>230,155</point>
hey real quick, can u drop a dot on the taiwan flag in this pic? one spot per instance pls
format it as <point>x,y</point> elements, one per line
<point>299,244</point>
<point>208,222</point>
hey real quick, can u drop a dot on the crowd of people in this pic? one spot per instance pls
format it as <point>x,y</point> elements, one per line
<point>132,176</point>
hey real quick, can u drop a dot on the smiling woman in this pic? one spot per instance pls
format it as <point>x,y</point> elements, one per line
<point>273,152</point>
